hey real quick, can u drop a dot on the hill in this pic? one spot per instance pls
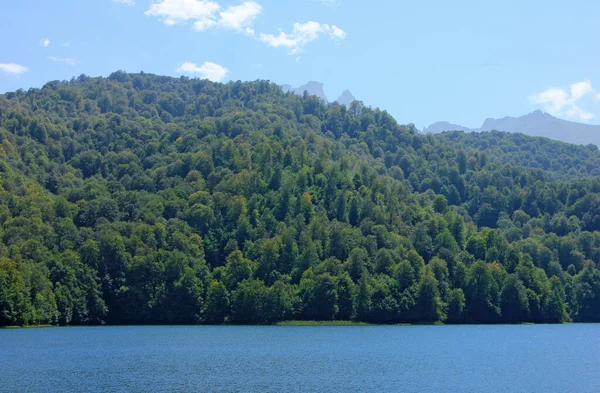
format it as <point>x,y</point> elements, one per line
<point>140,198</point>
<point>537,123</point>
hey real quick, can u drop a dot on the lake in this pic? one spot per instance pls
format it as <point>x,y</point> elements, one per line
<point>519,358</point>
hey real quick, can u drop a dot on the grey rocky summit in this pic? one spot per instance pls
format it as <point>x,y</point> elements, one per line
<point>346,99</point>
<point>312,88</point>
<point>316,89</point>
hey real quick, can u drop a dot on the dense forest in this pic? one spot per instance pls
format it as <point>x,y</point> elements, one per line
<point>139,199</point>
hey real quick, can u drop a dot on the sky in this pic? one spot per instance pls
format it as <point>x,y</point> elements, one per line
<point>423,61</point>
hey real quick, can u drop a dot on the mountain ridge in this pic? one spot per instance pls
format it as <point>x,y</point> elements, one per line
<point>536,123</point>
<point>313,88</point>
<point>317,89</point>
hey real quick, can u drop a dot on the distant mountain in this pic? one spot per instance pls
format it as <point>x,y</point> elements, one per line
<point>346,99</point>
<point>537,123</point>
<point>316,89</point>
<point>442,126</point>
<point>540,123</point>
<point>312,88</point>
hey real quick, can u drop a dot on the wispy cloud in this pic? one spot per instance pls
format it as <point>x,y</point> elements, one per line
<point>126,2</point>
<point>66,60</point>
<point>560,102</point>
<point>172,12</point>
<point>45,42</point>
<point>205,14</point>
<point>301,35</point>
<point>240,16</point>
<point>208,14</point>
<point>66,44</point>
<point>13,69</point>
<point>208,70</point>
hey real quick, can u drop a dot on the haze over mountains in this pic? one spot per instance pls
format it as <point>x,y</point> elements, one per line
<point>537,123</point>
<point>312,88</point>
<point>316,88</point>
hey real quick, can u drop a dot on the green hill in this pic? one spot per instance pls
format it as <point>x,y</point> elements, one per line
<point>146,199</point>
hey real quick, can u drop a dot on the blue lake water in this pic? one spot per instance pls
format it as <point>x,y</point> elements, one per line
<point>528,358</point>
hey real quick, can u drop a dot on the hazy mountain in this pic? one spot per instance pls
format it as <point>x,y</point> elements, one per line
<point>316,88</point>
<point>442,126</point>
<point>537,123</point>
<point>312,88</point>
<point>346,99</point>
<point>540,123</point>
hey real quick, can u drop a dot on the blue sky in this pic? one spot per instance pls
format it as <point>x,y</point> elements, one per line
<point>423,61</point>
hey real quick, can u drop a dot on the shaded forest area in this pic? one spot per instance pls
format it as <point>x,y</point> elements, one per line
<point>144,199</point>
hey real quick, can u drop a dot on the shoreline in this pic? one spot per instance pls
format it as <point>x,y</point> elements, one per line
<point>313,323</point>
<point>27,326</point>
<point>323,323</point>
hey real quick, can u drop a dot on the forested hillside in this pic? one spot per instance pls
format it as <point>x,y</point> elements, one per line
<point>146,199</point>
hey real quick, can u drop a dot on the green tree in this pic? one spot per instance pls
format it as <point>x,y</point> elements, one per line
<point>513,300</point>
<point>456,306</point>
<point>279,302</point>
<point>482,294</point>
<point>358,263</point>
<point>216,309</point>
<point>555,310</point>
<point>440,204</point>
<point>237,269</point>
<point>248,302</point>
<point>346,294</point>
<point>429,304</point>
<point>587,294</point>
<point>363,300</point>
<point>14,302</point>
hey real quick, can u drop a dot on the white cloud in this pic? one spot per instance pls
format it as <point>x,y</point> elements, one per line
<point>560,102</point>
<point>337,32</point>
<point>172,12</point>
<point>240,16</point>
<point>45,42</point>
<point>126,2</point>
<point>580,89</point>
<point>204,24</point>
<point>554,100</point>
<point>598,97</point>
<point>208,70</point>
<point>66,44</point>
<point>575,112</point>
<point>301,35</point>
<point>13,69</point>
<point>66,60</point>
<point>205,14</point>
<point>332,2</point>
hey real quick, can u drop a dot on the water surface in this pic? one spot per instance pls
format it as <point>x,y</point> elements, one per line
<point>520,358</point>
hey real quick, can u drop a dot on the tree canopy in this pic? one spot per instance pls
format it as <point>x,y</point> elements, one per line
<point>140,198</point>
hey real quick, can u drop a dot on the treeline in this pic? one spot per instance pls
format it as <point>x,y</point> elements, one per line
<point>146,199</point>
